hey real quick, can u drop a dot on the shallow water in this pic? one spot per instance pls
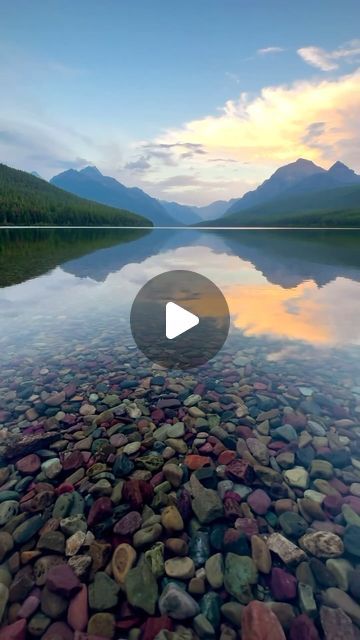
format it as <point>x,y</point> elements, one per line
<point>74,390</point>
<point>298,288</point>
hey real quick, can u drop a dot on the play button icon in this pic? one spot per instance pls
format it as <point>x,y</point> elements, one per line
<point>179,319</point>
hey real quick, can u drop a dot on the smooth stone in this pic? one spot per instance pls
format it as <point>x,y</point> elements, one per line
<point>147,536</point>
<point>14,631</point>
<point>260,554</point>
<point>6,544</point>
<point>171,519</point>
<point>180,568</point>
<point>284,612</point>
<point>214,568</point>
<point>233,611</point>
<point>303,628</point>
<point>297,477</point>
<point>292,524</point>
<point>62,580</point>
<point>322,574</point>
<point>176,603</point>
<point>321,469</point>
<point>128,524</point>
<point>4,596</point>
<point>352,540</point>
<point>259,502</point>
<point>102,625</point>
<point>337,625</point>
<point>336,598</point>
<point>341,570</point>
<point>283,585</point>
<point>260,623</point>
<point>203,628</point>
<point>354,583</point>
<point>28,529</point>
<point>8,510</point>
<point>124,558</point>
<point>52,604</point>
<point>78,615</point>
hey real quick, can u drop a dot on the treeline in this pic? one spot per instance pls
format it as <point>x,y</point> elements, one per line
<point>27,200</point>
<point>28,253</point>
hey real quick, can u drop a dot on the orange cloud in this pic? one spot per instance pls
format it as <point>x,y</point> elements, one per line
<point>277,127</point>
<point>266,309</point>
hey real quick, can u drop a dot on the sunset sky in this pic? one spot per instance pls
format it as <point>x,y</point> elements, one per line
<point>192,101</point>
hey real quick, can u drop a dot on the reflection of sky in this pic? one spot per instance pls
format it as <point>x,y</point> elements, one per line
<point>320,315</point>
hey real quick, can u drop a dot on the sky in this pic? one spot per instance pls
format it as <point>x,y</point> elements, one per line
<point>192,101</point>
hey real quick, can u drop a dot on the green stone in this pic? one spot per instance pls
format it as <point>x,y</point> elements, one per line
<point>155,558</point>
<point>240,575</point>
<point>210,605</point>
<point>103,592</point>
<point>141,588</point>
<point>27,529</point>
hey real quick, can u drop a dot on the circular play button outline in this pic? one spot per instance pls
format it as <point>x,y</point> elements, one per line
<point>188,308</point>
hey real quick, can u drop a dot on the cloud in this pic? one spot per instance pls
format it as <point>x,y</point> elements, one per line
<point>138,165</point>
<point>330,60</point>
<point>278,126</point>
<point>267,50</point>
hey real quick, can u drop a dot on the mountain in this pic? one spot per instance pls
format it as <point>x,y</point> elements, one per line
<point>27,200</point>
<point>36,175</point>
<point>215,209</point>
<point>283,179</point>
<point>338,207</point>
<point>183,213</point>
<point>90,183</point>
<point>299,194</point>
<point>187,214</point>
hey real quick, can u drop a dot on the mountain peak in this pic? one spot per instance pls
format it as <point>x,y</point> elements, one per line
<point>341,172</point>
<point>91,171</point>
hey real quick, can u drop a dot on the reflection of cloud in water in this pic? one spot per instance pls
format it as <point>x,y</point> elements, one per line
<point>321,316</point>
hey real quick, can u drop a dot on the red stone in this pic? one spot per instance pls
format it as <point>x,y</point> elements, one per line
<point>260,623</point>
<point>232,507</point>
<point>244,432</point>
<point>248,526</point>
<point>29,465</point>
<point>196,462</point>
<point>65,487</point>
<point>283,585</point>
<point>226,456</point>
<point>137,492</point>
<point>58,630</point>
<point>78,614</point>
<point>240,471</point>
<point>332,504</point>
<point>153,626</point>
<point>61,579</point>
<point>14,631</point>
<point>128,524</point>
<point>100,510</point>
<point>73,461</point>
<point>302,628</point>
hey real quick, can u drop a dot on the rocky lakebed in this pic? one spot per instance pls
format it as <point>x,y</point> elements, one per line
<point>148,504</point>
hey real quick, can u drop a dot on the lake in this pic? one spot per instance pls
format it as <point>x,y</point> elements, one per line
<point>271,424</point>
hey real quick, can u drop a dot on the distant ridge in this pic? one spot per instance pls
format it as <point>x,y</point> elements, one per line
<point>299,194</point>
<point>92,184</point>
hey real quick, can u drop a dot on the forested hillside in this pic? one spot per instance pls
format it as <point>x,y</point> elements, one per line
<point>28,200</point>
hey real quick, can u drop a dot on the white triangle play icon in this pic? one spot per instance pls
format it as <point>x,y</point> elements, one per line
<point>178,320</point>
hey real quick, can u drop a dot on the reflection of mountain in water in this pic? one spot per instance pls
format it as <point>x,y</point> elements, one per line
<point>289,257</point>
<point>98,265</point>
<point>285,257</point>
<point>28,253</point>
